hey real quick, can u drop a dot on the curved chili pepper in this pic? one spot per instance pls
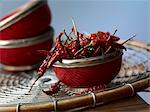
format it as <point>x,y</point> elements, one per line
<point>54,88</point>
<point>83,40</point>
<point>55,55</point>
<point>59,52</point>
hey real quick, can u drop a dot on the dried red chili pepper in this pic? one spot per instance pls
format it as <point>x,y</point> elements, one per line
<point>72,47</point>
<point>83,40</point>
<point>54,88</point>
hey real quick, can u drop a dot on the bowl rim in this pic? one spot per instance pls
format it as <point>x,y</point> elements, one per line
<point>12,68</point>
<point>73,61</point>
<point>26,42</point>
<point>93,61</point>
<point>22,12</point>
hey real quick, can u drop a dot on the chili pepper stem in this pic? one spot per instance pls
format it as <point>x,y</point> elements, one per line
<point>74,26</point>
<point>128,39</point>
<point>107,50</point>
<point>90,44</point>
<point>79,51</point>
<point>110,46</point>
<point>34,83</point>
<point>115,32</point>
<point>66,35</point>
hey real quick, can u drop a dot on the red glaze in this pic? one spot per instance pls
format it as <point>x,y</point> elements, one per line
<point>31,25</point>
<point>89,76</point>
<point>28,55</point>
<point>24,55</point>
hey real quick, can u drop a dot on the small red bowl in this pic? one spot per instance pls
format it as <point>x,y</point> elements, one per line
<point>23,52</point>
<point>29,20</point>
<point>90,71</point>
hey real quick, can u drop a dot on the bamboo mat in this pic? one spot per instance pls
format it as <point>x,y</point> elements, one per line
<point>133,77</point>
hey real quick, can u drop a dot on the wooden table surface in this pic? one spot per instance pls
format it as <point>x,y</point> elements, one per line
<point>130,104</point>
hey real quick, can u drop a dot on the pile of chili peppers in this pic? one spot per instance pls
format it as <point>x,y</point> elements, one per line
<point>78,45</point>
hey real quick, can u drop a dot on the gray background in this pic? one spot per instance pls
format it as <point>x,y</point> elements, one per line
<point>128,16</point>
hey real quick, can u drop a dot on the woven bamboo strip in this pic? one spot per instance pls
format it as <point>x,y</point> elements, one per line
<point>66,104</point>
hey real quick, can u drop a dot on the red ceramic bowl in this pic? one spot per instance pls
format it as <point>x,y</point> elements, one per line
<point>90,71</point>
<point>23,52</point>
<point>29,20</point>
